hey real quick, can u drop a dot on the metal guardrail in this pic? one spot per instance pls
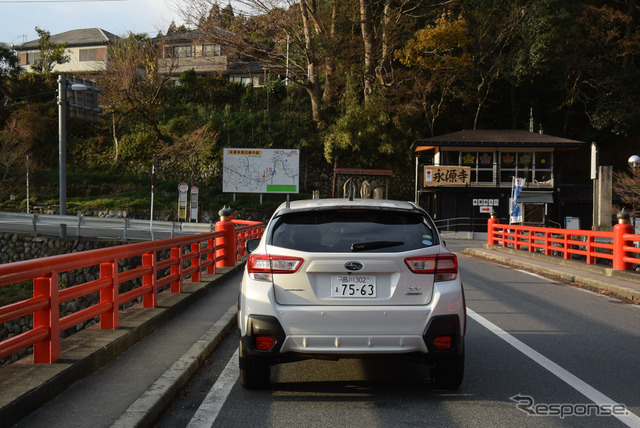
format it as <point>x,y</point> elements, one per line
<point>93,227</point>
<point>461,224</point>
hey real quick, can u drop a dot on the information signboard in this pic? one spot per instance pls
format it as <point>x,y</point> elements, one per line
<point>260,171</point>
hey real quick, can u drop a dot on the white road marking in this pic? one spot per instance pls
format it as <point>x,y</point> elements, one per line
<point>213,402</point>
<point>631,419</point>
<point>215,399</point>
<point>535,275</point>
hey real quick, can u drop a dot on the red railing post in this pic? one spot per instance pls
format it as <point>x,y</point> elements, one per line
<point>243,242</point>
<point>110,319</point>
<point>591,259</point>
<point>226,254</point>
<point>567,246</point>
<point>150,300</point>
<point>211,256</point>
<point>619,230</point>
<point>48,350</point>
<point>547,243</point>
<point>490,232</point>
<point>176,270</point>
<point>195,248</point>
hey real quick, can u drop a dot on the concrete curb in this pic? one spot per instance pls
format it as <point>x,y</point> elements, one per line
<point>148,408</point>
<point>567,270</point>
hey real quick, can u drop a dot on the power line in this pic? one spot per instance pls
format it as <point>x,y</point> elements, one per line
<point>57,1</point>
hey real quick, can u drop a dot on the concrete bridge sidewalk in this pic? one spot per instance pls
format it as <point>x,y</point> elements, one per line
<point>600,278</point>
<point>127,376</point>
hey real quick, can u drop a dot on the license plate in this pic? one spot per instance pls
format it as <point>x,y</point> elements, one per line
<point>362,286</point>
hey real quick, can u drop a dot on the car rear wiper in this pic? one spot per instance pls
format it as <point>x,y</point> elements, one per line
<point>374,245</point>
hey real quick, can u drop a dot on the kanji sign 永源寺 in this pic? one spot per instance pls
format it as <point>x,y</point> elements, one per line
<point>447,175</point>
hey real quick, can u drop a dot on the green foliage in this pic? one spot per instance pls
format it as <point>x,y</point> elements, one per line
<point>8,68</point>
<point>364,135</point>
<point>140,145</point>
<point>174,29</point>
<point>51,53</point>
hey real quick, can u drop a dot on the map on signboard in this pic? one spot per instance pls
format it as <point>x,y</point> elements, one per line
<point>260,171</point>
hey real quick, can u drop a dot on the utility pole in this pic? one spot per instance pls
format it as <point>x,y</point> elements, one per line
<point>62,149</point>
<point>92,110</point>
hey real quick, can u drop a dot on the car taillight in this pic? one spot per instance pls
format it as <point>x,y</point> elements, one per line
<point>444,267</point>
<point>268,264</point>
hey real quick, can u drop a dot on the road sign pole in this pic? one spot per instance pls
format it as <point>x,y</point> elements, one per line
<point>153,186</point>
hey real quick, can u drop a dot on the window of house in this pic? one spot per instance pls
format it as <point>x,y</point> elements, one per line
<point>508,167</point>
<point>480,162</point>
<point>543,167</point>
<point>536,167</point>
<point>32,57</point>
<point>448,157</point>
<point>88,55</point>
<point>185,51</point>
<point>211,50</point>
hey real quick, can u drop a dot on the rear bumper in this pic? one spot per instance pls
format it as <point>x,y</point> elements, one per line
<point>296,347</point>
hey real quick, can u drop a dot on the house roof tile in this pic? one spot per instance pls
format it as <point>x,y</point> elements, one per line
<point>498,138</point>
<point>81,37</point>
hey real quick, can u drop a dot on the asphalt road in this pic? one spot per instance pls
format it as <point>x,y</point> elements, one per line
<point>539,354</point>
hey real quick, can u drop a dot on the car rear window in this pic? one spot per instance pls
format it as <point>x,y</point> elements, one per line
<point>353,230</point>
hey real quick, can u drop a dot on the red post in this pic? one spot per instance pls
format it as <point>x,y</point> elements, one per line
<point>226,257</point>
<point>176,270</point>
<point>195,248</point>
<point>619,230</point>
<point>110,319</point>
<point>211,257</point>
<point>150,300</point>
<point>490,233</point>
<point>48,350</point>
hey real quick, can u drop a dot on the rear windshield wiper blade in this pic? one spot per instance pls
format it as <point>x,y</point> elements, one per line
<point>364,246</point>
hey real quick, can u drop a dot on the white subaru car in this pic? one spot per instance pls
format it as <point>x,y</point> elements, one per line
<point>340,278</point>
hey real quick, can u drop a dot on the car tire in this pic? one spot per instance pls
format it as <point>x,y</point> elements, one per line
<point>447,373</point>
<point>255,372</point>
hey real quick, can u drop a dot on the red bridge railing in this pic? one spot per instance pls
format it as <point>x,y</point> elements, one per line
<point>620,247</point>
<point>163,263</point>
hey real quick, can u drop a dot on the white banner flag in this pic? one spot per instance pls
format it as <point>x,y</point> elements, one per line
<point>515,212</point>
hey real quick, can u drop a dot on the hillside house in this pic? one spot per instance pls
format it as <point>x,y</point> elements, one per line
<point>194,50</point>
<point>86,48</point>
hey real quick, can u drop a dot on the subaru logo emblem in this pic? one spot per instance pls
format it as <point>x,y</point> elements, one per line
<point>353,266</point>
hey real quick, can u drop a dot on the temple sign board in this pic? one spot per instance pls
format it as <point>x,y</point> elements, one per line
<point>447,176</point>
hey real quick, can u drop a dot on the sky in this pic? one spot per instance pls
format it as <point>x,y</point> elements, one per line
<point>18,18</point>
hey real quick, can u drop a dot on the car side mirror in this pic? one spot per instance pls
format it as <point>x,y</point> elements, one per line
<point>252,244</point>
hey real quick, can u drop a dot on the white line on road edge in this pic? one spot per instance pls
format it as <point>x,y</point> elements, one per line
<point>213,402</point>
<point>535,275</point>
<point>156,398</point>
<point>631,419</point>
